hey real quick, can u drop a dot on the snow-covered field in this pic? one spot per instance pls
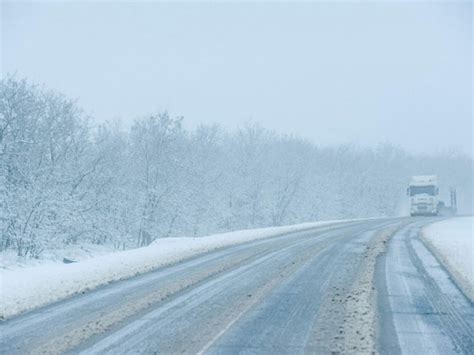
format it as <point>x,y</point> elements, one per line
<point>452,241</point>
<point>23,289</point>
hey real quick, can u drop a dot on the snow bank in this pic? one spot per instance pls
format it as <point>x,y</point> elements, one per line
<point>27,288</point>
<point>9,259</point>
<point>452,241</point>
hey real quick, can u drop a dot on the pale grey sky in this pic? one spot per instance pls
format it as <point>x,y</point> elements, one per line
<point>330,72</point>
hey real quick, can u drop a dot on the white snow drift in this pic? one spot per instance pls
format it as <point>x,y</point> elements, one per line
<point>452,241</point>
<point>28,288</point>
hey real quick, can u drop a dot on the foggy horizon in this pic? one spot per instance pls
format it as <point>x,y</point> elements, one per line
<point>158,57</point>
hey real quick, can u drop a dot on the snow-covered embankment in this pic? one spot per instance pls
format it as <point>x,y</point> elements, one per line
<point>452,241</point>
<point>28,288</point>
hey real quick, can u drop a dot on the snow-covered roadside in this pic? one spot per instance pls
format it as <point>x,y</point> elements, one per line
<point>452,241</point>
<point>10,261</point>
<point>27,288</point>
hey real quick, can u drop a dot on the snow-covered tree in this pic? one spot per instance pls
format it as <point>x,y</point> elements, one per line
<point>64,181</point>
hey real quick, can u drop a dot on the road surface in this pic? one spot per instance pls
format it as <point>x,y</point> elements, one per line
<point>353,287</point>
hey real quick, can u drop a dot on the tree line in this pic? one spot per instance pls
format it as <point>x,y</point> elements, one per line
<point>66,180</point>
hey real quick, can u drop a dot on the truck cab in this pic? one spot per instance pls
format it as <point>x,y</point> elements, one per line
<point>423,192</point>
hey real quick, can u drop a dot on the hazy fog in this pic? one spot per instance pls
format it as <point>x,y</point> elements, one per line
<point>362,73</point>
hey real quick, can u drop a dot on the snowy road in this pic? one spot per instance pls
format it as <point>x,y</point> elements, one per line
<point>419,303</point>
<point>306,292</point>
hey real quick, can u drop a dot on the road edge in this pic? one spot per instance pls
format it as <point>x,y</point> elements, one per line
<point>458,279</point>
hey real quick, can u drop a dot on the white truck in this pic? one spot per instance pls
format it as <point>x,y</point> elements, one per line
<point>423,191</point>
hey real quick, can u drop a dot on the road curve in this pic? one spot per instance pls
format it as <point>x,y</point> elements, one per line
<point>290,294</point>
<point>421,309</point>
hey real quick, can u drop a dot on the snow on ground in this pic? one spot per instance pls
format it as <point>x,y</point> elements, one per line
<point>10,261</point>
<point>23,289</point>
<point>452,241</point>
